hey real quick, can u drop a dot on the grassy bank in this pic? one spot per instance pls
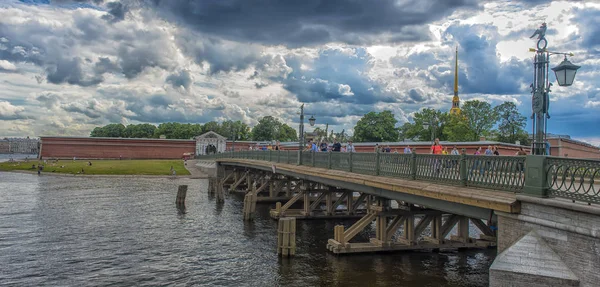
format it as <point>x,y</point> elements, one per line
<point>112,167</point>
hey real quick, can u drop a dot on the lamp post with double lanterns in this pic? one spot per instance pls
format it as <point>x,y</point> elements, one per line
<point>301,143</point>
<point>433,124</point>
<point>540,88</point>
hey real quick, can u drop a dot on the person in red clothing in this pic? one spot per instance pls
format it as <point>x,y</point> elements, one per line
<point>437,148</point>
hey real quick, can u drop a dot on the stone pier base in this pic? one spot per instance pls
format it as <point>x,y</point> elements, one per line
<point>531,262</point>
<point>553,242</point>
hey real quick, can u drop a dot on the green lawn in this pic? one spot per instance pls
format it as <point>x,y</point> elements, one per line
<point>115,167</point>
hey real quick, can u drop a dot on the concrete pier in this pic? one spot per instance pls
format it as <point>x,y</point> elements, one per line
<point>556,241</point>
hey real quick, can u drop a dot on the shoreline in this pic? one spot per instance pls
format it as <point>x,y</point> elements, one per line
<point>197,176</point>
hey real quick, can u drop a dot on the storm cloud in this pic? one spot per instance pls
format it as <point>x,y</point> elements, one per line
<point>79,64</point>
<point>310,22</point>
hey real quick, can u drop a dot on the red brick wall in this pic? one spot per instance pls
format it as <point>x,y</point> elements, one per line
<point>569,148</point>
<point>63,147</point>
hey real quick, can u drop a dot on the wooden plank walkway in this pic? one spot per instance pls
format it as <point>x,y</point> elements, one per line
<point>479,197</point>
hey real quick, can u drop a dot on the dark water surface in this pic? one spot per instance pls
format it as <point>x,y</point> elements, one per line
<point>64,231</point>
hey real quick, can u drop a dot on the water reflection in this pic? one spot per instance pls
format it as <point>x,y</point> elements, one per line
<point>59,231</point>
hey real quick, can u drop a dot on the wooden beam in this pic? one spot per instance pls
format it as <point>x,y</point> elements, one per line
<point>358,201</point>
<point>359,226</point>
<point>291,202</point>
<point>422,225</point>
<point>449,224</point>
<point>394,225</point>
<point>482,227</point>
<point>317,201</point>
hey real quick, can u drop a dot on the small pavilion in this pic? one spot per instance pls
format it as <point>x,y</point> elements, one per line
<point>210,143</point>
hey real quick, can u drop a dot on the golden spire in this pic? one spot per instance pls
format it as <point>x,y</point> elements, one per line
<point>456,74</point>
<point>455,100</point>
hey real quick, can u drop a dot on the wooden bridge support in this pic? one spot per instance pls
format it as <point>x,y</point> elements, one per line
<point>286,237</point>
<point>270,187</point>
<point>322,202</point>
<point>414,221</point>
<point>249,205</point>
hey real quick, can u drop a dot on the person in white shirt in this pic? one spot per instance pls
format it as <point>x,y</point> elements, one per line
<point>350,147</point>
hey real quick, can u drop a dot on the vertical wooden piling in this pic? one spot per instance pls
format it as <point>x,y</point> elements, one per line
<point>286,236</point>
<point>250,204</point>
<point>338,234</point>
<point>211,185</point>
<point>219,191</point>
<point>181,193</point>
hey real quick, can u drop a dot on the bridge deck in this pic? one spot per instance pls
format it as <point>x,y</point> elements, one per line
<point>477,197</point>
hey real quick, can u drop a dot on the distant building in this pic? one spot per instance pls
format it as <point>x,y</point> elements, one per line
<point>209,143</point>
<point>565,146</point>
<point>455,100</point>
<point>19,145</point>
<point>4,146</point>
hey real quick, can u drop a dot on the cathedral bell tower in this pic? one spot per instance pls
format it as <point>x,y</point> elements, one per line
<point>455,110</point>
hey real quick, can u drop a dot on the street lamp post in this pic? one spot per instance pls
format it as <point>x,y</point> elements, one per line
<point>301,132</point>
<point>540,88</point>
<point>433,124</point>
<point>301,143</point>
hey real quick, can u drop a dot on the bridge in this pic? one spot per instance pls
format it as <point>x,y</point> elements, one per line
<point>541,212</point>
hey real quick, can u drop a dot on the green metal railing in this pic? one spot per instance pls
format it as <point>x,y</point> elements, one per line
<point>573,179</point>
<point>546,176</point>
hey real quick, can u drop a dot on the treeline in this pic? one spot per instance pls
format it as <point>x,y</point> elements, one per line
<point>268,128</point>
<point>501,123</point>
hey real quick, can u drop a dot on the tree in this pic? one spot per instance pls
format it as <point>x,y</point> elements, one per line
<point>458,130</point>
<point>376,127</point>
<point>480,118</point>
<point>511,125</point>
<point>287,134</point>
<point>430,117</point>
<point>241,130</point>
<point>270,128</point>
<point>110,130</point>
<point>403,131</point>
<point>169,130</point>
<point>212,126</point>
<point>140,131</point>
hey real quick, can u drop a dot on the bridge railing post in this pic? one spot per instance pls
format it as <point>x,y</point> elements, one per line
<point>312,158</point>
<point>413,166</point>
<point>536,183</point>
<point>377,162</point>
<point>329,160</point>
<point>270,155</point>
<point>350,161</point>
<point>462,168</point>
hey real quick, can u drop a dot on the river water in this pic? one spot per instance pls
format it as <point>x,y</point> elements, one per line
<point>65,231</point>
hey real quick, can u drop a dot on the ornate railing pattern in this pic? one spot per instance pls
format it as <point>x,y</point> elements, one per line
<point>395,165</point>
<point>444,168</point>
<point>573,179</point>
<point>496,172</point>
<point>340,161</point>
<point>364,163</point>
<point>321,159</point>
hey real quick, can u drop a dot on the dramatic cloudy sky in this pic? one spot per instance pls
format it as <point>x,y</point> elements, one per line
<point>67,66</point>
